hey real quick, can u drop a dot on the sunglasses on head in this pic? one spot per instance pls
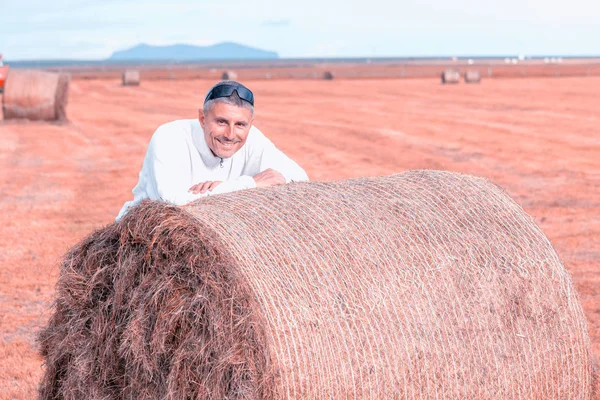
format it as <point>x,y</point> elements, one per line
<point>227,89</point>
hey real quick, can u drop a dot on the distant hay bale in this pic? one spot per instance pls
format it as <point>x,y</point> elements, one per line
<point>422,285</point>
<point>35,95</point>
<point>131,78</point>
<point>229,75</point>
<point>328,75</point>
<point>473,76</point>
<point>450,76</point>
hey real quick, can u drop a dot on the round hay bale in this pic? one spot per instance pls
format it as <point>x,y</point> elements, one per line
<point>35,95</point>
<point>420,285</point>
<point>131,78</point>
<point>473,76</point>
<point>450,76</point>
<point>229,75</point>
<point>328,75</point>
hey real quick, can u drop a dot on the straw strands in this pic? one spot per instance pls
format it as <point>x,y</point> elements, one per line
<point>419,285</point>
<point>35,95</point>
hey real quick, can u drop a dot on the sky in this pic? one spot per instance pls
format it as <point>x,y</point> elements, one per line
<point>91,29</point>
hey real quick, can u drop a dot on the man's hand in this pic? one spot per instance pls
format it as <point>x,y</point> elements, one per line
<point>269,177</point>
<point>203,187</point>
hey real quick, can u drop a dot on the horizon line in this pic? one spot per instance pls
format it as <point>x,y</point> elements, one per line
<point>307,58</point>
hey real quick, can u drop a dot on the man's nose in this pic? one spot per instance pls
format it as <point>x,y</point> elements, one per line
<point>229,133</point>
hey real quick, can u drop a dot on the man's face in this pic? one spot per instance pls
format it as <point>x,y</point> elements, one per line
<point>226,128</point>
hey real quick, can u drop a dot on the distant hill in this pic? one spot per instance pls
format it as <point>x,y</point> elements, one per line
<point>184,52</point>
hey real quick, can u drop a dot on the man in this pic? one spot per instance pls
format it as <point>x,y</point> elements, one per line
<point>217,153</point>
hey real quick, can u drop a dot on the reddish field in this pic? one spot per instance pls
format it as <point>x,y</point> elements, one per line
<point>537,137</point>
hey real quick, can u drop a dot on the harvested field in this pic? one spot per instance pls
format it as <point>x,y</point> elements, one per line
<point>537,138</point>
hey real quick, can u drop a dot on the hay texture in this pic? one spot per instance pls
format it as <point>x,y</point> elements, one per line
<point>131,78</point>
<point>421,285</point>
<point>229,75</point>
<point>472,76</point>
<point>35,95</point>
<point>450,76</point>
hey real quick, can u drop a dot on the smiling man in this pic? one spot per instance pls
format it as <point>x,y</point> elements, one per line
<point>217,153</point>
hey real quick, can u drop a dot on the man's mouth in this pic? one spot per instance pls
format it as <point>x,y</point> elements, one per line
<point>227,143</point>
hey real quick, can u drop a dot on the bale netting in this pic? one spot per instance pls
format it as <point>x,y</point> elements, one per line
<point>229,75</point>
<point>472,76</point>
<point>35,95</point>
<point>131,78</point>
<point>420,285</point>
<point>450,76</point>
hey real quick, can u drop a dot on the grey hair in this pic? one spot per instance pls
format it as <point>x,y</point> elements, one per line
<point>234,99</point>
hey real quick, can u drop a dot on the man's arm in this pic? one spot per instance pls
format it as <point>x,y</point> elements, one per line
<point>265,160</point>
<point>171,172</point>
<point>275,159</point>
<point>266,165</point>
<point>169,169</point>
<point>268,177</point>
<point>207,188</point>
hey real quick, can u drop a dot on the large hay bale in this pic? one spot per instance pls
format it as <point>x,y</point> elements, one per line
<point>35,95</point>
<point>450,76</point>
<point>229,75</point>
<point>472,76</point>
<point>131,78</point>
<point>420,285</point>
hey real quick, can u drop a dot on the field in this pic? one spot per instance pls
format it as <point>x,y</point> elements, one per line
<point>536,137</point>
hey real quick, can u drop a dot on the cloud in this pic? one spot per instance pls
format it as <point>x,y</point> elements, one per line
<point>276,23</point>
<point>66,25</point>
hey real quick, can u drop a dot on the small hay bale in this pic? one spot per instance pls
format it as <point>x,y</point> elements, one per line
<point>229,75</point>
<point>328,75</point>
<point>131,78</point>
<point>472,76</point>
<point>35,95</point>
<point>421,285</point>
<point>450,76</point>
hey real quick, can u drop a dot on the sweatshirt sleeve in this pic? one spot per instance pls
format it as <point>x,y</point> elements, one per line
<point>168,168</point>
<point>265,155</point>
<point>184,197</point>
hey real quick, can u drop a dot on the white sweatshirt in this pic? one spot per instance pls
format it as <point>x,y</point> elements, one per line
<point>178,158</point>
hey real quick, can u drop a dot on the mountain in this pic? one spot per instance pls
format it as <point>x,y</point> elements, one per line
<point>185,52</point>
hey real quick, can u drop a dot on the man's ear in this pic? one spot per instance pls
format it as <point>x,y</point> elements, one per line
<point>201,116</point>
